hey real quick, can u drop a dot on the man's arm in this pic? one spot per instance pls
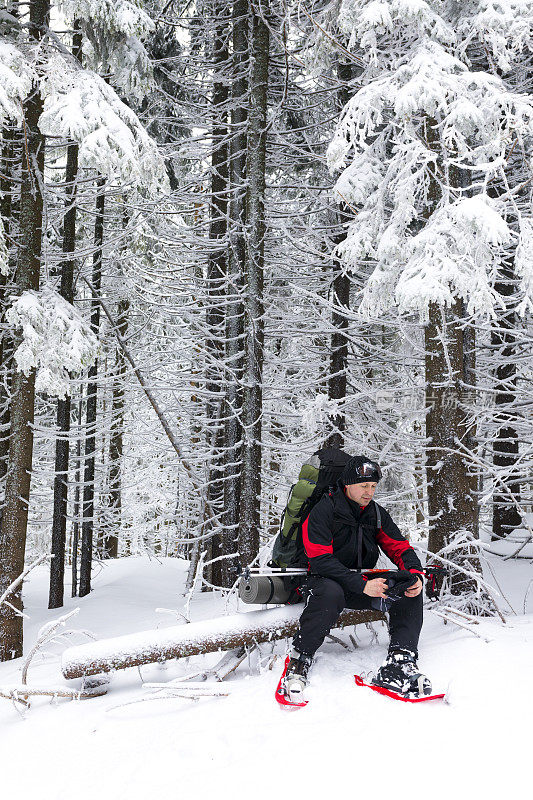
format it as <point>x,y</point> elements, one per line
<point>317,533</point>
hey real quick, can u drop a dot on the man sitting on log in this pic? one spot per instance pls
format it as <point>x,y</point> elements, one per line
<point>341,537</point>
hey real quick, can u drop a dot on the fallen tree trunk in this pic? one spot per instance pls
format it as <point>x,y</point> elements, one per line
<point>223,633</point>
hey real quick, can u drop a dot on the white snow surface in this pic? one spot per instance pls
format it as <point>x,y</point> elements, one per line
<point>347,739</point>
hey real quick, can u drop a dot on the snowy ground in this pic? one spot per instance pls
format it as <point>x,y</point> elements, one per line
<point>347,740</point>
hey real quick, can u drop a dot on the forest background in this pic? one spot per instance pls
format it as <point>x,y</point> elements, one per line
<point>234,233</point>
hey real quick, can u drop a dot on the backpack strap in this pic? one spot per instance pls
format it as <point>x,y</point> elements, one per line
<point>378,517</point>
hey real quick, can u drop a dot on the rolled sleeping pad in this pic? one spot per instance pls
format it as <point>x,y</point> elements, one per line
<point>262,589</point>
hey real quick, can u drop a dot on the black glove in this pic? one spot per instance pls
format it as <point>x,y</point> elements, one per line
<point>398,583</point>
<point>398,580</point>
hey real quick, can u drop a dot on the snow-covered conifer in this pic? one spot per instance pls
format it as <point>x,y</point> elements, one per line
<point>56,340</point>
<point>114,32</point>
<point>16,77</point>
<point>474,118</point>
<point>79,105</point>
<point>430,132</point>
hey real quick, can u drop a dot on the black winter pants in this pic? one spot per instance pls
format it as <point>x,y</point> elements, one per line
<point>324,601</point>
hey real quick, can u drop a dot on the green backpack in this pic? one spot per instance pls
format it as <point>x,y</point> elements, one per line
<point>317,476</point>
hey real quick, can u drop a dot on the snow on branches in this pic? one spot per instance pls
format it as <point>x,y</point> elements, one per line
<point>505,27</point>
<point>118,17</point>
<point>407,134</point>
<point>456,254</point>
<point>115,29</point>
<point>80,105</point>
<point>16,77</point>
<point>56,340</point>
<point>368,24</point>
<point>3,250</point>
<point>524,265</point>
<point>477,115</point>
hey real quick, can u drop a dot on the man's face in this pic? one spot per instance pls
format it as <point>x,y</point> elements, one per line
<point>361,493</point>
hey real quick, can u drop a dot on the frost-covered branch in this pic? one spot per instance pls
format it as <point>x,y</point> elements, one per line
<point>16,583</point>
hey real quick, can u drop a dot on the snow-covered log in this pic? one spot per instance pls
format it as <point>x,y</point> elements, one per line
<point>209,636</point>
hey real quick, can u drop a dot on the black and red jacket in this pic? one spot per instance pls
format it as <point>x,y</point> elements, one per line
<point>339,536</point>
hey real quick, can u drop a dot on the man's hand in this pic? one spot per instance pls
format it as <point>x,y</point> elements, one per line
<point>377,587</point>
<point>415,589</point>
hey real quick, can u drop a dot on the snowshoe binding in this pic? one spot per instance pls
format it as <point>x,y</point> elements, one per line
<point>291,687</point>
<point>400,675</point>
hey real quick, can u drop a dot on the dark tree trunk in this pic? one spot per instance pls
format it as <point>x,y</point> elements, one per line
<point>470,434</point>
<point>66,290</point>
<point>340,297</point>
<point>17,494</point>
<point>339,352</point>
<point>116,441</point>
<point>505,447</point>
<point>250,501</point>
<point>9,168</point>
<point>217,267</point>
<point>10,163</point>
<point>76,506</point>
<point>452,505</point>
<point>87,526</point>
<point>233,431</point>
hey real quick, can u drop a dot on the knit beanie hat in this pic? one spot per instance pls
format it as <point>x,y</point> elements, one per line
<point>360,469</point>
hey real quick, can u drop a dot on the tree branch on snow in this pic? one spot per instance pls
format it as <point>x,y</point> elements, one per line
<point>16,583</point>
<point>448,618</point>
<point>185,688</point>
<point>47,631</point>
<point>21,694</point>
<point>530,584</point>
<point>173,611</point>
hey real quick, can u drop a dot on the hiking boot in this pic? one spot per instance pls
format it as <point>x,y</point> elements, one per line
<point>400,674</point>
<point>295,679</point>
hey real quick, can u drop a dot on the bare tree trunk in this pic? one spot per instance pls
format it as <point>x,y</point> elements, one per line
<point>9,163</point>
<point>250,500</point>
<point>76,506</point>
<point>340,296</point>
<point>66,290</point>
<point>15,516</point>
<point>217,267</point>
<point>339,351</point>
<point>450,503</point>
<point>233,431</point>
<point>87,526</point>
<point>110,540</point>
<point>505,447</point>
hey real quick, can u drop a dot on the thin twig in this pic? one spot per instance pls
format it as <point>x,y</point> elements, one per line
<point>530,584</point>
<point>17,581</point>
<point>337,641</point>
<point>473,620</point>
<point>43,636</point>
<point>461,625</point>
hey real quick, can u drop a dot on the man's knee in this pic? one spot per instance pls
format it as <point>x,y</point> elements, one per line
<point>330,593</point>
<point>408,608</point>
